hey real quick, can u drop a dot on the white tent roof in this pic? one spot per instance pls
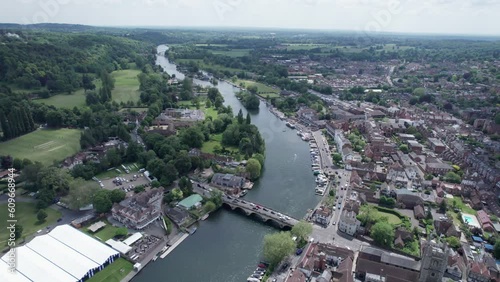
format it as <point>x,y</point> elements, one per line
<point>133,238</point>
<point>33,265</point>
<point>6,275</point>
<point>119,246</point>
<point>63,256</point>
<point>82,243</point>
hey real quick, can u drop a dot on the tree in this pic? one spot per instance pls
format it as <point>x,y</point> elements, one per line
<point>41,215</point>
<point>496,249</point>
<point>382,233</point>
<point>117,195</point>
<point>216,197</point>
<point>253,168</point>
<point>177,194</point>
<point>80,193</point>
<point>18,232</point>
<point>453,242</point>
<point>443,206</point>
<point>404,148</point>
<point>368,214</point>
<point>302,229</point>
<point>120,232</point>
<point>260,158</point>
<point>253,89</point>
<point>209,207</point>
<point>452,177</point>
<point>101,202</point>
<point>248,119</point>
<point>277,246</point>
<point>240,117</point>
<point>186,185</point>
<point>336,157</point>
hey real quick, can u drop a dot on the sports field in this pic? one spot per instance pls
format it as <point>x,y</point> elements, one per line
<point>43,145</point>
<point>126,86</point>
<point>69,101</point>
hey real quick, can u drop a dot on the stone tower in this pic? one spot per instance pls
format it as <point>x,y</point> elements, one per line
<point>434,262</point>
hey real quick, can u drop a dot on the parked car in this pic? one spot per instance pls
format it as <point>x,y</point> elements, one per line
<point>299,251</point>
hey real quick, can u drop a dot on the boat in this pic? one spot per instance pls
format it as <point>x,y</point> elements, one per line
<point>299,133</point>
<point>205,216</point>
<point>191,232</point>
<point>316,171</point>
<point>243,193</point>
<point>291,125</point>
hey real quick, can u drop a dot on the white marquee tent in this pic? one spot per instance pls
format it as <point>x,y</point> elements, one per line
<point>64,254</point>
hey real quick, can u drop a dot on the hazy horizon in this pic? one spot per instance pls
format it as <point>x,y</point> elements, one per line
<point>427,17</point>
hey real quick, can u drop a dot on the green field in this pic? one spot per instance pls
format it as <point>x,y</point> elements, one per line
<point>261,87</point>
<point>114,272</point>
<point>303,46</point>
<point>232,52</point>
<point>105,233</point>
<point>126,86</point>
<point>77,99</point>
<point>202,65</point>
<point>393,219</point>
<point>26,216</point>
<point>461,205</point>
<point>44,145</point>
<point>215,140</point>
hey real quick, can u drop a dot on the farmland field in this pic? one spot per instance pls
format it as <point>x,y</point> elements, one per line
<point>44,145</point>
<point>202,65</point>
<point>232,52</point>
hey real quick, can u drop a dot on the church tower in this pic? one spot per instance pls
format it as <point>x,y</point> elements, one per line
<point>434,262</point>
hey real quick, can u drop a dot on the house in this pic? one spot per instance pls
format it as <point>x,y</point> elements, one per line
<point>446,227</point>
<point>322,215</point>
<point>407,199</point>
<point>436,145</point>
<point>178,215</point>
<point>456,265</point>
<point>348,222</point>
<point>440,192</point>
<point>140,210</point>
<point>228,182</point>
<point>377,265</point>
<point>418,212</point>
<point>193,201</point>
<point>485,221</point>
<point>437,168</point>
<point>451,188</point>
<point>478,272</point>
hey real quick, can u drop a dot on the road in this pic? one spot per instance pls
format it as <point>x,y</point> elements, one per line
<point>204,190</point>
<point>389,79</point>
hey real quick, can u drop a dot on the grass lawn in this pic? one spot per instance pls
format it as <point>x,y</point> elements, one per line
<point>76,99</point>
<point>461,205</point>
<point>393,219</point>
<point>114,272</point>
<point>215,140</point>
<point>26,216</point>
<point>44,145</point>
<point>209,112</point>
<point>104,234</point>
<point>260,86</point>
<point>126,86</point>
<point>303,46</point>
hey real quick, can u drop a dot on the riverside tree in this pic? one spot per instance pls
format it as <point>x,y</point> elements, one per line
<point>302,229</point>
<point>277,246</point>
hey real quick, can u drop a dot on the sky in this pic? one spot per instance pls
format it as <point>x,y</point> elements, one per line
<point>471,17</point>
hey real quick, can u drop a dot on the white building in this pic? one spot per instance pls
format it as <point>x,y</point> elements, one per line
<point>348,222</point>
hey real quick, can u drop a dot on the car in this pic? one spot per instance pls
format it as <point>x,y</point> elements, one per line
<point>235,201</point>
<point>254,208</point>
<point>229,198</point>
<point>299,251</point>
<point>261,273</point>
<point>265,209</point>
<point>262,265</point>
<point>273,212</point>
<point>286,218</point>
<point>334,223</point>
<point>260,269</point>
<point>59,220</point>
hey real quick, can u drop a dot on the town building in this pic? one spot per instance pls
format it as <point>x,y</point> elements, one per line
<point>230,183</point>
<point>478,272</point>
<point>434,262</point>
<point>140,210</point>
<point>348,222</point>
<point>436,145</point>
<point>485,221</point>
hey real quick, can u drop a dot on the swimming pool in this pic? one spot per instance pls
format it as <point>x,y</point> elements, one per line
<point>470,220</point>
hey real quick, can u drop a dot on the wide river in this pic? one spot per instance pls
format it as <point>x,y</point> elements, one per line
<point>228,245</point>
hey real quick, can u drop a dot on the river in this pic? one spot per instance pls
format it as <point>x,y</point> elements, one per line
<point>228,245</point>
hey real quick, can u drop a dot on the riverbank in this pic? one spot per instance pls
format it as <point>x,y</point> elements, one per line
<point>286,185</point>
